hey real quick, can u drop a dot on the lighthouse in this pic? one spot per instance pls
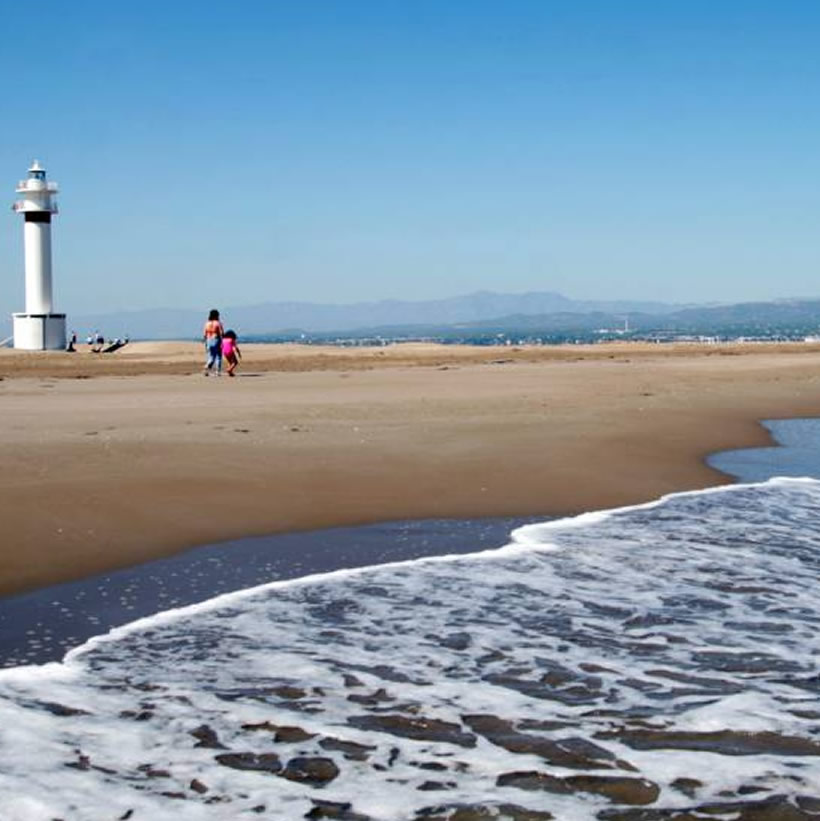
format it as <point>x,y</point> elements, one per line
<point>39,328</point>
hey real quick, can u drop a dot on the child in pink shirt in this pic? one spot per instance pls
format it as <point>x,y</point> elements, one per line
<point>230,351</point>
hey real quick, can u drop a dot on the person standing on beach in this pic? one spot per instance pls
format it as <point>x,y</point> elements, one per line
<point>231,352</point>
<point>212,334</point>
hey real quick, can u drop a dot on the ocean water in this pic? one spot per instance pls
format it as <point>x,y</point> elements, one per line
<point>796,452</point>
<point>652,662</point>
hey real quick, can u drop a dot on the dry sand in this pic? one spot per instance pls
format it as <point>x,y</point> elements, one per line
<point>110,460</point>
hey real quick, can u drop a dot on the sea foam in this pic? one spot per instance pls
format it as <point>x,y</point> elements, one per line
<point>661,655</point>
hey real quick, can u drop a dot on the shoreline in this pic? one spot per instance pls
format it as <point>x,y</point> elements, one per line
<point>42,625</point>
<point>112,471</point>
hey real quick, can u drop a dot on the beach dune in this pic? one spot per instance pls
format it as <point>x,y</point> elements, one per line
<point>112,460</point>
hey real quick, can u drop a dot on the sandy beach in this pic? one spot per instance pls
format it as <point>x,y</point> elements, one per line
<point>112,460</point>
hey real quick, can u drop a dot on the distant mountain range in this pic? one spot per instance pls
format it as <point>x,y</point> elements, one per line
<point>749,318</point>
<point>309,317</point>
<point>482,312</point>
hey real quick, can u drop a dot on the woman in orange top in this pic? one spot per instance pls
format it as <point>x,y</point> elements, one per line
<point>212,333</point>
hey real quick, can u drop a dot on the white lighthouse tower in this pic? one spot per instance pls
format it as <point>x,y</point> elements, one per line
<point>39,328</point>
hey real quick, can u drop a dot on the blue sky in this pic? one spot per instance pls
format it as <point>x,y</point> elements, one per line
<point>233,153</point>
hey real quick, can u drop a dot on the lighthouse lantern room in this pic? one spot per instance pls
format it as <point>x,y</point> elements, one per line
<point>39,328</point>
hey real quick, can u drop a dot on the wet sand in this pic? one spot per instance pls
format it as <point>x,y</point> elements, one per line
<point>112,460</point>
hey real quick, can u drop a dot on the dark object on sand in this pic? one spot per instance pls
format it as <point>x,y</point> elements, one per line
<point>115,346</point>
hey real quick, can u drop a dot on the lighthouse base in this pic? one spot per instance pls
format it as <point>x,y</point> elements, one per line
<point>39,332</point>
